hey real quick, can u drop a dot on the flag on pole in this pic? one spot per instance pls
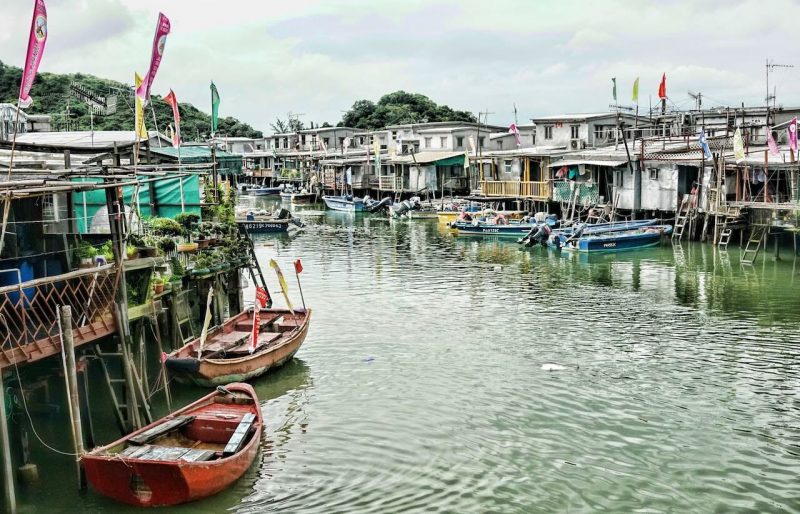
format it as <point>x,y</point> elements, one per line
<point>172,100</point>
<point>282,282</point>
<point>214,109</point>
<point>261,302</point>
<point>738,145</point>
<point>159,40</point>
<point>635,96</point>
<point>376,147</point>
<point>298,266</point>
<point>512,129</point>
<point>466,159</point>
<point>792,129</point>
<point>614,88</point>
<point>36,42</point>
<point>139,126</point>
<point>701,138</point>
<point>206,322</point>
<point>773,146</point>
<point>662,88</point>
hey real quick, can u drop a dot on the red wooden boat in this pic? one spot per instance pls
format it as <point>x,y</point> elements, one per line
<point>226,355</point>
<point>190,454</point>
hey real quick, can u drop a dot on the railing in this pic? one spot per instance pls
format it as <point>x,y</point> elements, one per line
<point>516,188</point>
<point>29,313</point>
<point>390,183</point>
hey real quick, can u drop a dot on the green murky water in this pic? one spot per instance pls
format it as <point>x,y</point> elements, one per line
<point>421,385</point>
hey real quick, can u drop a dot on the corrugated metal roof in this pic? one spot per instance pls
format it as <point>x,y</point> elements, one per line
<point>574,162</point>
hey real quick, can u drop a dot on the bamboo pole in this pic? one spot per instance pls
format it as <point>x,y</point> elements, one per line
<point>8,482</point>
<point>72,389</point>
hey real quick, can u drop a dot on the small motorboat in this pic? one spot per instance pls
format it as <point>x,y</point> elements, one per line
<point>226,357</point>
<point>265,191</point>
<point>630,239</point>
<point>259,221</point>
<point>190,454</point>
<point>298,196</point>
<point>346,203</point>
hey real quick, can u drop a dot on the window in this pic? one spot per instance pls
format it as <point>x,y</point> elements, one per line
<point>481,141</point>
<point>341,142</point>
<point>653,173</point>
<point>506,164</point>
<point>460,141</point>
<point>442,142</point>
<point>533,138</point>
<point>598,132</point>
<point>427,142</point>
<point>574,131</point>
<point>619,182</point>
<point>499,144</point>
<point>548,132</point>
<point>325,141</point>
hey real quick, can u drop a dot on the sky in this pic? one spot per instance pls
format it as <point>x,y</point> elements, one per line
<point>316,57</point>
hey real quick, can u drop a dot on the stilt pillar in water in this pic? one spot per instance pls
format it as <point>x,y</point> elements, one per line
<point>8,473</point>
<point>72,389</point>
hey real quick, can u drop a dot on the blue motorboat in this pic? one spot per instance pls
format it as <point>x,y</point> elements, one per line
<point>344,203</point>
<point>627,239</point>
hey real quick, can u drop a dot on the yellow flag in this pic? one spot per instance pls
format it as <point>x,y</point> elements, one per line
<point>141,130</point>
<point>635,96</point>
<point>738,146</point>
<point>282,282</point>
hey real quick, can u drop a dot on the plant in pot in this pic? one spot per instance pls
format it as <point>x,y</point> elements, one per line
<point>158,285</point>
<point>131,252</point>
<point>204,231</point>
<point>107,251</point>
<point>86,254</point>
<point>166,245</point>
<point>202,264</point>
<point>188,222</point>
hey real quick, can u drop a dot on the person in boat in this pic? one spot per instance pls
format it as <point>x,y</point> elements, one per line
<point>501,220</point>
<point>464,216</point>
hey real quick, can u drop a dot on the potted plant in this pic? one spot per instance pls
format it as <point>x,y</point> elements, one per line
<point>166,227</point>
<point>166,245</point>
<point>86,254</point>
<point>107,251</point>
<point>158,285</point>
<point>131,252</point>
<point>202,264</point>
<point>188,222</point>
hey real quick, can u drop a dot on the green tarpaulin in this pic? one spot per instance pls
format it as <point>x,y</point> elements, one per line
<point>167,199</point>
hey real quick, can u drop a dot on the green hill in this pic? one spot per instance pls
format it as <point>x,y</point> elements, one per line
<point>51,96</point>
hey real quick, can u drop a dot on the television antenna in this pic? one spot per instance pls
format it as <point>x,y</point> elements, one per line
<point>770,66</point>
<point>698,97</point>
<point>98,104</point>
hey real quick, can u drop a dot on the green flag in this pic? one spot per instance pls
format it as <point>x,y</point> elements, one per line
<point>614,81</point>
<point>214,108</point>
<point>635,97</point>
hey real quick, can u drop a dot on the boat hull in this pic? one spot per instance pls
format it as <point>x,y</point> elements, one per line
<point>486,229</point>
<point>265,191</point>
<point>163,483</point>
<point>264,226</point>
<point>298,197</point>
<point>339,203</point>
<point>207,372</point>
<point>617,242</point>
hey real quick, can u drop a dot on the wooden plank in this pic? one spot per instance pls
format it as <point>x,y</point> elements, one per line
<point>240,434</point>
<point>198,455</point>
<point>133,452</point>
<point>159,430</point>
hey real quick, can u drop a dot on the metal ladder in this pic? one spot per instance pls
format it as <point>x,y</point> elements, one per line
<point>756,237</point>
<point>724,235</point>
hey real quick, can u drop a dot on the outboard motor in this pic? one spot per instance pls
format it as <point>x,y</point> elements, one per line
<point>403,208</point>
<point>374,206</point>
<point>283,214</point>
<point>538,234</point>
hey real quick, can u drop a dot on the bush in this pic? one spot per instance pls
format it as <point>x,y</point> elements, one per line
<point>166,227</point>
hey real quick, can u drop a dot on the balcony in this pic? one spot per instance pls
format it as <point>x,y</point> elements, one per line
<point>516,189</point>
<point>29,313</point>
<point>390,183</point>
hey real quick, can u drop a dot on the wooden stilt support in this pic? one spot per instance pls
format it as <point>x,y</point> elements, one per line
<point>72,389</point>
<point>8,472</point>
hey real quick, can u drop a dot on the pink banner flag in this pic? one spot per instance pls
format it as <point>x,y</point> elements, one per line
<point>513,130</point>
<point>36,42</point>
<point>773,146</point>
<point>176,115</point>
<point>160,39</point>
<point>793,134</point>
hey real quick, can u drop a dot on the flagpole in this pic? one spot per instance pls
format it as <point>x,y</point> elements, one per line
<point>13,144</point>
<point>296,274</point>
<point>155,123</point>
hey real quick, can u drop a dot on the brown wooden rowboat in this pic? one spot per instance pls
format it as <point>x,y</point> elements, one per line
<point>226,354</point>
<point>193,453</point>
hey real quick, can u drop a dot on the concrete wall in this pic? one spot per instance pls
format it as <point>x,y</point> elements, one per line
<point>657,193</point>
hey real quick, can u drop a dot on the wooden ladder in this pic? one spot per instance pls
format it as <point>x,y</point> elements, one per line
<point>724,235</point>
<point>750,251</point>
<point>182,318</point>
<point>118,388</point>
<point>680,224</point>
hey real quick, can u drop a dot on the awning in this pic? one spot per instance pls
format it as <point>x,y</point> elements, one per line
<point>612,164</point>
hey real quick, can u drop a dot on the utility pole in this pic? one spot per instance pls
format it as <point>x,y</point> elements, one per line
<point>769,66</point>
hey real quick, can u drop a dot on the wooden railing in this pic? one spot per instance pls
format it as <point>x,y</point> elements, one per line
<point>390,183</point>
<point>29,313</point>
<point>516,188</point>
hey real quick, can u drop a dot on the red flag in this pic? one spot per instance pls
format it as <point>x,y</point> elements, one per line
<point>164,356</point>
<point>172,100</point>
<point>159,40</point>
<point>662,88</point>
<point>562,171</point>
<point>262,296</point>
<point>298,266</point>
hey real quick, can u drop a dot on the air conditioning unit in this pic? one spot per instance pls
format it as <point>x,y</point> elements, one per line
<point>577,144</point>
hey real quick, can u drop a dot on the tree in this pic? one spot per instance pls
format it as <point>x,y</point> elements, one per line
<point>279,127</point>
<point>398,108</point>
